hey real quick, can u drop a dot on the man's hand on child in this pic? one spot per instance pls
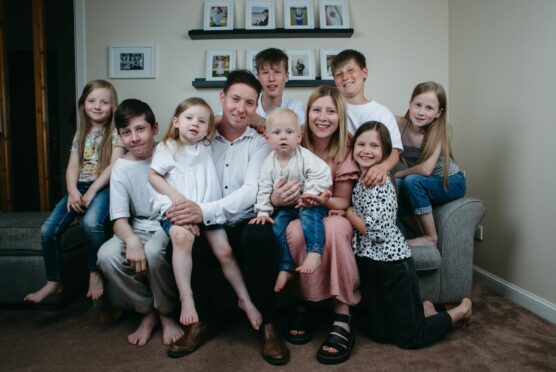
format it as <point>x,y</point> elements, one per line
<point>193,229</point>
<point>286,193</point>
<point>261,220</point>
<point>185,212</point>
<point>376,175</point>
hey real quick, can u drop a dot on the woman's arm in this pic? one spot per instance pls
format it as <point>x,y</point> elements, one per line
<point>357,222</point>
<point>425,168</point>
<point>341,196</point>
<point>104,178</point>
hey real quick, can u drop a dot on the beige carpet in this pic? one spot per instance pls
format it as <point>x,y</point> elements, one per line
<point>501,337</point>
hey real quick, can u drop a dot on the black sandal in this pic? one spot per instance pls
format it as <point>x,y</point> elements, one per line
<point>340,339</point>
<point>299,323</point>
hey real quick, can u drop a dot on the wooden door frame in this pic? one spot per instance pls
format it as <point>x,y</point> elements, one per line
<point>41,112</point>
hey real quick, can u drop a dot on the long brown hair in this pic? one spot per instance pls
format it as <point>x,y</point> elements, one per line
<point>105,153</point>
<point>437,131</point>
<point>174,133</point>
<point>338,146</point>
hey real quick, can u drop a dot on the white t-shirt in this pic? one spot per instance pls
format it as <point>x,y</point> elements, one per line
<point>295,106</point>
<point>131,194</point>
<point>374,111</point>
<point>189,169</point>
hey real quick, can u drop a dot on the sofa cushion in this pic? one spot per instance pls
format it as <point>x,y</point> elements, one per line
<point>426,258</point>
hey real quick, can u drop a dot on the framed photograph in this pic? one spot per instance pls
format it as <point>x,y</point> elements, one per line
<point>333,14</point>
<point>131,62</point>
<point>298,14</point>
<point>218,15</point>
<point>220,63</point>
<point>301,64</point>
<point>260,14</point>
<point>326,57</point>
<point>250,60</point>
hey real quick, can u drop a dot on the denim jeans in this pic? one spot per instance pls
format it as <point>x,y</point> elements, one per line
<point>92,223</point>
<point>419,193</point>
<point>313,231</point>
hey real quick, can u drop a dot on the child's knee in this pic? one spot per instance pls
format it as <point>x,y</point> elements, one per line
<point>181,238</point>
<point>223,252</point>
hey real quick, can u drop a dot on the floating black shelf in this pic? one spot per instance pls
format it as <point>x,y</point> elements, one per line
<point>203,83</point>
<point>241,33</point>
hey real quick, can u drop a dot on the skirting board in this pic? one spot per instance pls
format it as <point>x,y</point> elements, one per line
<point>528,300</point>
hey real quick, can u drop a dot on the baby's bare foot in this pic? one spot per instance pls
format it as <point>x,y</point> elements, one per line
<point>143,333</point>
<point>171,331</point>
<point>50,288</point>
<point>311,263</point>
<point>283,278</point>
<point>429,309</point>
<point>188,314</point>
<point>96,286</point>
<point>252,313</point>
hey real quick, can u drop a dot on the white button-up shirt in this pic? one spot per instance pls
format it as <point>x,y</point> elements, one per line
<point>238,164</point>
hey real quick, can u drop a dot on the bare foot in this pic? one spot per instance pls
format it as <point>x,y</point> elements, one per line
<point>48,289</point>
<point>462,312</point>
<point>171,331</point>
<point>188,313</point>
<point>283,278</point>
<point>143,333</point>
<point>96,287</point>
<point>253,314</point>
<point>422,241</point>
<point>311,263</point>
<point>429,309</point>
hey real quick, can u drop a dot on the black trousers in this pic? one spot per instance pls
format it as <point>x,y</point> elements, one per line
<point>392,306</point>
<point>257,255</point>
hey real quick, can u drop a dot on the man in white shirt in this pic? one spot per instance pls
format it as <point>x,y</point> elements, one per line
<point>272,72</point>
<point>238,153</point>
<point>133,261</point>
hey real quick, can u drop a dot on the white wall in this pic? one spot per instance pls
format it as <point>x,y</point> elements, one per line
<point>401,49</point>
<point>503,94</point>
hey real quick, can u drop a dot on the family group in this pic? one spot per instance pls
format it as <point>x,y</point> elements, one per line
<point>277,195</point>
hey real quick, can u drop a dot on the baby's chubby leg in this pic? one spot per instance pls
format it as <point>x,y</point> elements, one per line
<point>182,243</point>
<point>223,251</point>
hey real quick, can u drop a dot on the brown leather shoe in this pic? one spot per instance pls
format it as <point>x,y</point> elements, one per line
<point>273,347</point>
<point>194,337</point>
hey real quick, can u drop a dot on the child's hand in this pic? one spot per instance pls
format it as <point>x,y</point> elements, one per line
<point>75,202</point>
<point>337,212</point>
<point>309,200</point>
<point>376,175</point>
<point>261,220</point>
<point>135,256</point>
<point>88,197</point>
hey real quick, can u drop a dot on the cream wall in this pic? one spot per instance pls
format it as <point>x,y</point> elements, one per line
<point>401,49</point>
<point>503,94</point>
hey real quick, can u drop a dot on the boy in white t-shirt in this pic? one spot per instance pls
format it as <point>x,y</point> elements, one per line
<point>133,261</point>
<point>349,69</point>
<point>272,73</point>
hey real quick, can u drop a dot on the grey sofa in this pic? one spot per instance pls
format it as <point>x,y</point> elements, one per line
<point>445,272</point>
<point>21,262</point>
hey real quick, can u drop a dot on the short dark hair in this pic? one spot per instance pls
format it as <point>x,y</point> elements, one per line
<point>271,56</point>
<point>383,135</point>
<point>345,56</point>
<point>131,108</point>
<point>243,77</point>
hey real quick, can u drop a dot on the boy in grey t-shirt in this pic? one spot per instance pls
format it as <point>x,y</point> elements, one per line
<point>133,260</point>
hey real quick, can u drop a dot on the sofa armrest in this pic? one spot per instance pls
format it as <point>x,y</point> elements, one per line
<point>456,223</point>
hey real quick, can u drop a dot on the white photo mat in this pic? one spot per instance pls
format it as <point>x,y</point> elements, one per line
<point>219,64</point>
<point>131,62</point>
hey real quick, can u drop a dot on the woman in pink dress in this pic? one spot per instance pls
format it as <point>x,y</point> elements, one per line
<point>336,278</point>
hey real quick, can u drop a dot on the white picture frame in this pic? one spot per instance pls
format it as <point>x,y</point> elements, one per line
<point>131,62</point>
<point>218,15</point>
<point>326,57</point>
<point>219,64</point>
<point>250,65</point>
<point>333,14</point>
<point>260,15</point>
<point>298,14</point>
<point>301,64</point>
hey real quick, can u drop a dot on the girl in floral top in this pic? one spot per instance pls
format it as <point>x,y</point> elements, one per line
<point>389,287</point>
<point>95,146</point>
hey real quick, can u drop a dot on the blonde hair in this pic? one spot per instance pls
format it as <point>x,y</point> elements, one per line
<point>437,132</point>
<point>338,145</point>
<point>85,124</point>
<point>174,133</point>
<point>282,111</point>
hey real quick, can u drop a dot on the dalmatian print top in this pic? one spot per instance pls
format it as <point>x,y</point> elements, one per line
<point>382,241</point>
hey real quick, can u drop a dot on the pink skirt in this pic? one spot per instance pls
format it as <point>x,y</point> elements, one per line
<point>337,276</point>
